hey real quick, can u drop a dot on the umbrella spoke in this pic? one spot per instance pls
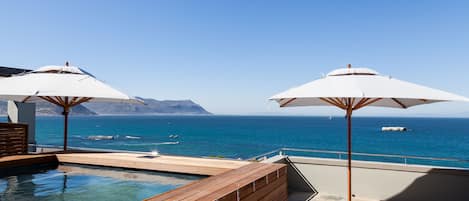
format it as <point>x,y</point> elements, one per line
<point>341,101</point>
<point>352,102</point>
<point>369,102</point>
<point>79,101</point>
<point>333,102</point>
<point>399,103</point>
<point>60,100</point>
<point>51,100</point>
<point>26,99</point>
<point>330,102</point>
<point>361,102</point>
<point>286,103</point>
<point>73,100</point>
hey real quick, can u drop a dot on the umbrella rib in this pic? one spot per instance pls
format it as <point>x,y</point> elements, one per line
<point>358,105</point>
<point>73,100</point>
<point>329,101</point>
<point>288,102</point>
<point>336,102</point>
<point>340,101</point>
<point>347,102</point>
<point>370,101</point>
<point>333,102</point>
<point>57,101</point>
<point>399,102</point>
<point>50,100</point>
<point>26,99</point>
<point>80,101</point>
<point>352,102</point>
<point>60,100</point>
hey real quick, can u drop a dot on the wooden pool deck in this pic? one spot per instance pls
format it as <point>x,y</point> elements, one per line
<point>175,164</point>
<point>26,160</point>
<point>17,164</point>
<point>252,182</point>
<point>230,180</point>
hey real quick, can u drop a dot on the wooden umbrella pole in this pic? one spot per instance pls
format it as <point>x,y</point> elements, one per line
<point>349,164</point>
<point>65,113</point>
<point>349,148</point>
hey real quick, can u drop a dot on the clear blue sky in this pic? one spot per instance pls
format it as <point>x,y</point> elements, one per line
<point>230,56</point>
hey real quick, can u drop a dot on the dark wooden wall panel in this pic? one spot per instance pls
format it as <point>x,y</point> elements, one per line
<point>13,139</point>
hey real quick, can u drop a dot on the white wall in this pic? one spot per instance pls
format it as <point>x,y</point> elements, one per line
<point>385,181</point>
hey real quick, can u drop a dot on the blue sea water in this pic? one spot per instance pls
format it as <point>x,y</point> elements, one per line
<point>246,136</point>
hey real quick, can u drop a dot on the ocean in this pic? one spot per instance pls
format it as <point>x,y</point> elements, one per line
<point>247,136</point>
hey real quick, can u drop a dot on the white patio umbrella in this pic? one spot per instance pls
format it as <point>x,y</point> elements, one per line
<point>65,86</point>
<point>353,88</point>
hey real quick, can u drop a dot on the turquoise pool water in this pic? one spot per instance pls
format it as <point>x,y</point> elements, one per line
<point>88,183</point>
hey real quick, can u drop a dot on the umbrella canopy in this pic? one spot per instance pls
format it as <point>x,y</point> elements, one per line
<point>65,86</point>
<point>64,81</point>
<point>362,85</point>
<point>353,88</point>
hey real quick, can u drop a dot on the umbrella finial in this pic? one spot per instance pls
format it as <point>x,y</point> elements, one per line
<point>66,63</point>
<point>349,65</point>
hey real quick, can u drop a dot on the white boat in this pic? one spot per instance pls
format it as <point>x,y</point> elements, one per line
<point>100,137</point>
<point>393,129</point>
<point>132,137</point>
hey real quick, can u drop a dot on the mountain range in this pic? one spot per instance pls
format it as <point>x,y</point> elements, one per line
<point>150,107</point>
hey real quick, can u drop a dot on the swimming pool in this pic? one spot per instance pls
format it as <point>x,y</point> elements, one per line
<point>78,182</point>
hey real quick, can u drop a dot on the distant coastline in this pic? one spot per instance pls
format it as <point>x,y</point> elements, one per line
<point>151,107</point>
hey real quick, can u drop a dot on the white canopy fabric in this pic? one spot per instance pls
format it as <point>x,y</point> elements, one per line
<point>67,82</point>
<point>360,83</point>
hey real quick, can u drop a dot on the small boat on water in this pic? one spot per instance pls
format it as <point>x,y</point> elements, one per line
<point>173,136</point>
<point>393,129</point>
<point>101,137</point>
<point>132,137</point>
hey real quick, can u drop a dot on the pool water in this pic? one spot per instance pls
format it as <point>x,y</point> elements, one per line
<point>69,182</point>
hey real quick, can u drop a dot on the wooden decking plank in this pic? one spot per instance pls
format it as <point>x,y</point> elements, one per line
<point>9,162</point>
<point>219,181</point>
<point>147,165</point>
<point>264,192</point>
<point>280,192</point>
<point>177,164</point>
<point>168,159</point>
<point>224,182</point>
<point>225,185</point>
<point>173,194</point>
<point>245,180</point>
